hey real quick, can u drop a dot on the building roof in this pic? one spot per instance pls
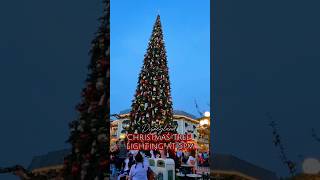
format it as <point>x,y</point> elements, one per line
<point>175,112</point>
<point>227,162</point>
<point>50,159</point>
<point>223,162</point>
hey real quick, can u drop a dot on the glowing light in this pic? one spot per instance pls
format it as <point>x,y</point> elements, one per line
<point>311,166</point>
<point>122,136</point>
<point>204,122</point>
<point>207,114</point>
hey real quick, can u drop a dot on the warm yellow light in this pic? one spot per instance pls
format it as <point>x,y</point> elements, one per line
<point>201,123</point>
<point>207,114</point>
<point>122,136</point>
<point>204,122</point>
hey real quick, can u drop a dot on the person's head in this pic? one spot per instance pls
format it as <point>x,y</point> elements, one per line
<point>139,158</point>
<point>171,153</point>
<point>193,153</point>
<point>147,153</point>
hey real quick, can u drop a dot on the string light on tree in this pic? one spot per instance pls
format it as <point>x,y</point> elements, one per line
<point>89,133</point>
<point>152,104</point>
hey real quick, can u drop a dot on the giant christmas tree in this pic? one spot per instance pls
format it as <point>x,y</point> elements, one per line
<point>152,105</point>
<point>90,131</point>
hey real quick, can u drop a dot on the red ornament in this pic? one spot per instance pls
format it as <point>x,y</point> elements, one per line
<point>88,156</point>
<point>93,107</point>
<point>84,136</point>
<point>81,107</point>
<point>103,164</point>
<point>103,63</point>
<point>75,169</point>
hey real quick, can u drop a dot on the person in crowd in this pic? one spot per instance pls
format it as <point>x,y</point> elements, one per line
<point>128,162</point>
<point>163,153</point>
<point>139,170</point>
<point>171,154</point>
<point>178,160</point>
<point>122,155</point>
<point>117,145</point>
<point>134,152</point>
<point>112,164</point>
<point>174,156</point>
<point>147,154</point>
<point>200,159</point>
<point>206,158</point>
<point>184,158</point>
<point>152,154</point>
<point>156,154</point>
<point>179,153</point>
<point>131,160</point>
<point>192,160</point>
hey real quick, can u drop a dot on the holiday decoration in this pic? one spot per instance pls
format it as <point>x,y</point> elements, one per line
<point>90,132</point>
<point>152,104</point>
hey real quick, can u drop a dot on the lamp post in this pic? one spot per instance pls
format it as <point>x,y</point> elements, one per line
<point>204,130</point>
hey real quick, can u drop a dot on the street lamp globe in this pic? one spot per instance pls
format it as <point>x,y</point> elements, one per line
<point>207,114</point>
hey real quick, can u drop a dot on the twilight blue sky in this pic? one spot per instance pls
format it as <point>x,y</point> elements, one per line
<point>186,27</point>
<point>44,49</point>
<point>266,59</point>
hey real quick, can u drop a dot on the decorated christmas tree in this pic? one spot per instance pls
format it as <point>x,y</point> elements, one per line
<point>90,131</point>
<point>152,104</point>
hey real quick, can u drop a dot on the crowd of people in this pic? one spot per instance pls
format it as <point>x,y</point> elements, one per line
<point>134,165</point>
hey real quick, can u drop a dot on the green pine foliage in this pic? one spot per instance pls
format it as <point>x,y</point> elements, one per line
<point>152,104</point>
<point>89,135</point>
